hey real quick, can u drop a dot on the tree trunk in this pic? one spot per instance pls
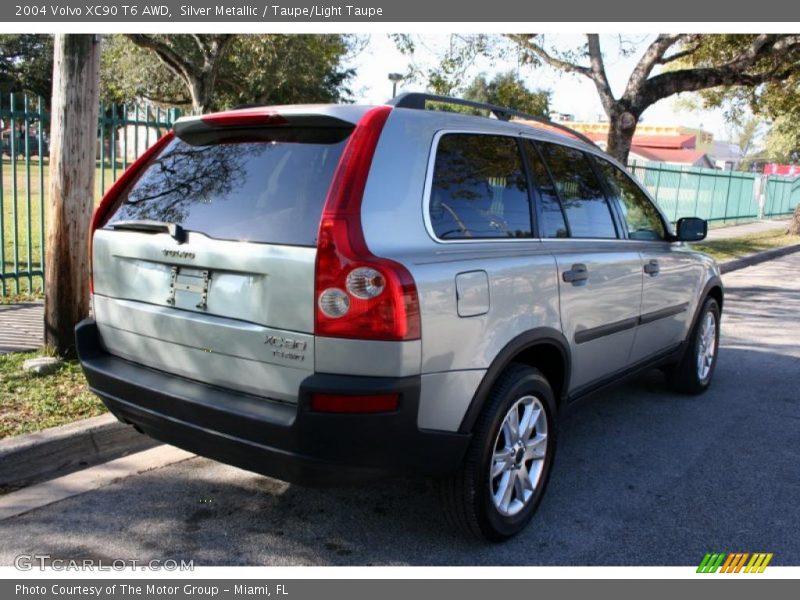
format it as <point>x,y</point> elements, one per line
<point>76,68</point>
<point>794,224</point>
<point>201,90</point>
<point>621,127</point>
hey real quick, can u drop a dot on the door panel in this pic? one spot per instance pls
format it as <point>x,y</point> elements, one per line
<point>599,314</point>
<point>668,292</point>
<point>671,276</point>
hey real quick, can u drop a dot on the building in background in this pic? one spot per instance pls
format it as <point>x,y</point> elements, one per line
<point>776,169</point>
<point>683,146</point>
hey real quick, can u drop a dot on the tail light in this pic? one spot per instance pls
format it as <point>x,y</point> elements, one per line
<point>111,198</point>
<point>350,403</point>
<point>359,295</point>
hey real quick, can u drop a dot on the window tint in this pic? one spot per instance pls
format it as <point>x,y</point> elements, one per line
<point>551,217</point>
<point>644,222</point>
<point>479,188</point>
<point>585,205</point>
<point>264,187</point>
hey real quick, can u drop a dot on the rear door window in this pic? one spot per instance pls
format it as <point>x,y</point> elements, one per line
<point>479,188</point>
<point>585,205</point>
<point>258,186</point>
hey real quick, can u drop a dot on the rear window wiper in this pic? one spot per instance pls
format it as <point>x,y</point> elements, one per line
<point>177,232</point>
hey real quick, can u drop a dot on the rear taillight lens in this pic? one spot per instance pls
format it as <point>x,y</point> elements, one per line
<point>347,403</point>
<point>365,283</point>
<point>359,295</point>
<point>111,198</point>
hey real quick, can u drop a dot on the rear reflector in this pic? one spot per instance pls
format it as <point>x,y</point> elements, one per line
<point>342,403</point>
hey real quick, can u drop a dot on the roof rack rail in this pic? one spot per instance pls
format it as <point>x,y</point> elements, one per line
<point>419,101</point>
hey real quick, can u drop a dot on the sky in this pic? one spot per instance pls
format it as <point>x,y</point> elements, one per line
<point>573,94</point>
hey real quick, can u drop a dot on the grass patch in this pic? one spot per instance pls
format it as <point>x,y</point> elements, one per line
<point>30,402</point>
<point>24,183</point>
<point>745,245</point>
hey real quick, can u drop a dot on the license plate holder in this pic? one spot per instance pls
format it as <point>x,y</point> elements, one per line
<point>192,281</point>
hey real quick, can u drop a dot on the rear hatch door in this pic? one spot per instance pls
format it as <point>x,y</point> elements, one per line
<point>205,265</point>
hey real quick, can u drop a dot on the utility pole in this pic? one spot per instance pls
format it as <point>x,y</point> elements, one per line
<point>395,78</point>
<point>70,199</point>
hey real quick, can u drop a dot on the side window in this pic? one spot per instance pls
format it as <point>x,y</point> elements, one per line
<point>644,222</point>
<point>585,205</point>
<point>479,188</point>
<point>551,217</point>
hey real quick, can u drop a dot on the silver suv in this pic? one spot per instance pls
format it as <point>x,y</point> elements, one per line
<point>325,294</point>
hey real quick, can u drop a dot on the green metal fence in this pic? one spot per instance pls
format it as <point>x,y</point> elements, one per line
<point>782,195</point>
<point>123,133</point>
<point>717,196</point>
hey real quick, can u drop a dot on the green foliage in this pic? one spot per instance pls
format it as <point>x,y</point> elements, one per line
<point>507,89</point>
<point>455,58</point>
<point>285,69</point>
<point>26,64</point>
<point>783,140</point>
<point>129,73</point>
<point>771,100</point>
<point>255,69</point>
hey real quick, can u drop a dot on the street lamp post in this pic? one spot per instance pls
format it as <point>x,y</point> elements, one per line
<point>395,78</point>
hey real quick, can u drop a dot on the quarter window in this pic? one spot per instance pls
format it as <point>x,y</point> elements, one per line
<point>644,222</point>
<point>585,205</point>
<point>479,188</point>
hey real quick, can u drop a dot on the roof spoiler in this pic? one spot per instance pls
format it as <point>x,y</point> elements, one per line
<point>254,117</point>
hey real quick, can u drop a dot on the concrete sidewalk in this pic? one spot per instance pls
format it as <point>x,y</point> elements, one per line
<point>21,327</point>
<point>732,231</point>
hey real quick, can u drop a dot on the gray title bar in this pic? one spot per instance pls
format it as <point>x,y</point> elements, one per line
<point>354,11</point>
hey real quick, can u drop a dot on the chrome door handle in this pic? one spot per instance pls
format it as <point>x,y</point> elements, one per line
<point>577,275</point>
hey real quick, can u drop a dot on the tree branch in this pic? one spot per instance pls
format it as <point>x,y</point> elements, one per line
<point>171,59</point>
<point>694,47</point>
<point>651,57</point>
<point>694,80</point>
<point>598,73</point>
<point>525,40</point>
<point>739,70</point>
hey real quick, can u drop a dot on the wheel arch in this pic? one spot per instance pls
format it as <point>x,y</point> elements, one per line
<point>544,348</point>
<point>713,289</point>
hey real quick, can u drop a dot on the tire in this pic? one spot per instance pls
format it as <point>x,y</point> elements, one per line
<point>690,376</point>
<point>468,496</point>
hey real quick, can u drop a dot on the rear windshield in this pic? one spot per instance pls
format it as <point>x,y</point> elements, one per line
<point>257,187</point>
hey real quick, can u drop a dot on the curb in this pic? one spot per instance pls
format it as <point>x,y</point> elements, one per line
<point>35,457</point>
<point>759,257</point>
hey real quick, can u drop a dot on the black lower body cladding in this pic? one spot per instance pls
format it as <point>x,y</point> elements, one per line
<point>278,439</point>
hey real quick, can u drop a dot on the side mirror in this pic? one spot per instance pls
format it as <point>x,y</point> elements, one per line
<point>691,229</point>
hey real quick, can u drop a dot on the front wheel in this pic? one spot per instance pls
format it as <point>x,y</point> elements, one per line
<point>694,373</point>
<point>502,480</point>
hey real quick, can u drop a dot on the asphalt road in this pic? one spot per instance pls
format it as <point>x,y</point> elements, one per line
<point>643,477</point>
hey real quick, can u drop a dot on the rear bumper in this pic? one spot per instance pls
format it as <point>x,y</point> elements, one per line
<point>285,441</point>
